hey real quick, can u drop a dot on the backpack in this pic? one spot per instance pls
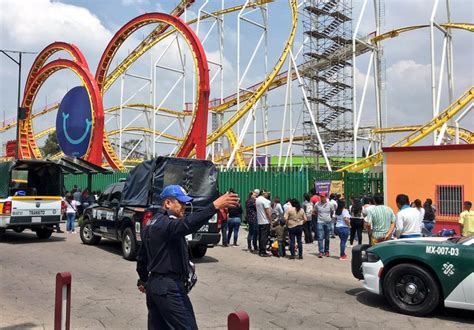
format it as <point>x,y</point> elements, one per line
<point>447,232</point>
<point>429,213</point>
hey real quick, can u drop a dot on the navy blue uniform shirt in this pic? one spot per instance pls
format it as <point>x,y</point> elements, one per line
<point>164,249</point>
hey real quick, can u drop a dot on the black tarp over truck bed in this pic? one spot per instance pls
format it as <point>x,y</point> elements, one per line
<point>147,180</point>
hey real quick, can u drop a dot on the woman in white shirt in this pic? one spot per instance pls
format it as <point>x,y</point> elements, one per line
<point>419,207</point>
<point>343,219</point>
<point>277,210</point>
<point>71,213</point>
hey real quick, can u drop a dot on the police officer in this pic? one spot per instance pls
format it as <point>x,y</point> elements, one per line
<point>163,261</point>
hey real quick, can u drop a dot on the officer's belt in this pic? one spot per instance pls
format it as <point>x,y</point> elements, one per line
<point>170,276</point>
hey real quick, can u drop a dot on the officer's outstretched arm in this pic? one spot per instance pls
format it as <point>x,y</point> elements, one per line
<point>192,222</point>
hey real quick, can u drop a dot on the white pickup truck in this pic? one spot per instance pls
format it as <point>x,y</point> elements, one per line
<point>30,196</point>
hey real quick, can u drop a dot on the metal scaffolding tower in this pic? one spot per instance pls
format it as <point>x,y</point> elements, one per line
<point>327,26</point>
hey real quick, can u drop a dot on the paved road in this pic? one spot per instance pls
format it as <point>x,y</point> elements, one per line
<point>278,293</point>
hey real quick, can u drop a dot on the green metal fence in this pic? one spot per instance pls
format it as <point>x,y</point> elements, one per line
<point>99,181</point>
<point>360,184</point>
<point>292,183</point>
<point>281,184</point>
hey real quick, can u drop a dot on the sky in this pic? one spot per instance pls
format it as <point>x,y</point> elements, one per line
<point>30,25</point>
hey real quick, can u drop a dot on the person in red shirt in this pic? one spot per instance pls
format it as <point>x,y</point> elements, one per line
<point>314,198</point>
<point>222,217</point>
<point>314,218</point>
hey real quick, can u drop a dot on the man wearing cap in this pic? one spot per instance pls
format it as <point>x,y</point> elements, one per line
<point>264,218</point>
<point>163,260</point>
<point>324,212</point>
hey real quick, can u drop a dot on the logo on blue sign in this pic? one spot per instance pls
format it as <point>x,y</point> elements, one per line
<point>74,122</point>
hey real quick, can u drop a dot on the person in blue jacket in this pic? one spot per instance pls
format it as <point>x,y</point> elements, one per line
<point>163,260</point>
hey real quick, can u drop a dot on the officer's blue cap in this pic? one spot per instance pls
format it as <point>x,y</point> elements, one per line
<point>177,192</point>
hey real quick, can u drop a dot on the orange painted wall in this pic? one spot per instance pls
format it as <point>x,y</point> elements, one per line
<point>416,171</point>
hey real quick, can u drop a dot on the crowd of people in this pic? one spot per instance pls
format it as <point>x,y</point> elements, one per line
<point>274,227</point>
<point>318,219</point>
<point>76,202</point>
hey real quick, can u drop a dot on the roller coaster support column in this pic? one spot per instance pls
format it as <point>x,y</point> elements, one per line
<point>461,116</point>
<point>354,78</point>
<point>433,74</point>
<point>308,108</point>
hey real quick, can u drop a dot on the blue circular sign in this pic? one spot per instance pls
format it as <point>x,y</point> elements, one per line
<point>74,122</point>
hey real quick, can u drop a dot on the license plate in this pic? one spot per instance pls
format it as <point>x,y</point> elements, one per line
<point>35,219</point>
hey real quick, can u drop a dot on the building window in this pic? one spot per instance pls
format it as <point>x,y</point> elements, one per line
<point>449,200</point>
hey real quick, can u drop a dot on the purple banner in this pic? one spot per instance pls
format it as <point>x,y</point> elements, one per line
<point>322,186</point>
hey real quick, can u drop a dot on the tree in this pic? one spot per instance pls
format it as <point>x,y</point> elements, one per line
<point>129,145</point>
<point>51,146</point>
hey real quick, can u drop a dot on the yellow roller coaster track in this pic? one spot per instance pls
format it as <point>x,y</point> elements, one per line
<point>117,131</point>
<point>49,130</point>
<point>262,145</point>
<point>157,35</point>
<point>243,149</point>
<point>266,83</point>
<point>239,158</point>
<point>417,135</point>
<point>278,81</point>
<point>395,33</point>
<point>464,134</point>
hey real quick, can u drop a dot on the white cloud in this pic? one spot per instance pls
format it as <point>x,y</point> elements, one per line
<point>134,2</point>
<point>32,24</point>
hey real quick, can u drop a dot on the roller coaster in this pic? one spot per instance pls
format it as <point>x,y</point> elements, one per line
<point>244,102</point>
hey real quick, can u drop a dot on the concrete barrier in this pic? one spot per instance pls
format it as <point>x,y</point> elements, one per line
<point>62,305</point>
<point>238,321</point>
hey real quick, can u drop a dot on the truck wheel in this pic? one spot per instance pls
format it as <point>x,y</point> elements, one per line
<point>198,251</point>
<point>43,233</point>
<point>411,289</point>
<point>87,235</point>
<point>2,232</point>
<point>129,245</point>
<point>18,229</point>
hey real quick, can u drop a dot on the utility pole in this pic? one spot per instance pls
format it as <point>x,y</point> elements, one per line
<point>18,117</point>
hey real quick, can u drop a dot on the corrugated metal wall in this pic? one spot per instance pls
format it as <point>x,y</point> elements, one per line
<point>286,184</point>
<point>281,184</point>
<point>362,184</point>
<point>99,181</point>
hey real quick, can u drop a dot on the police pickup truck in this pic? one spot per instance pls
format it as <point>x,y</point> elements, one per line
<point>30,196</point>
<point>416,275</point>
<point>124,208</point>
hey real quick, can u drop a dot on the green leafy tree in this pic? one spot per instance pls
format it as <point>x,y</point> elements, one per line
<point>129,145</point>
<point>51,146</point>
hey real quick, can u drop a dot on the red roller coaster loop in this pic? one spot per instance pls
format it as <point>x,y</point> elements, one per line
<point>36,66</point>
<point>196,136</point>
<point>94,154</point>
<point>39,73</point>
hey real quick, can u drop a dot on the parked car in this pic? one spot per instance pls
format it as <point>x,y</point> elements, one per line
<point>107,218</point>
<point>417,275</point>
<point>31,196</point>
<point>124,208</point>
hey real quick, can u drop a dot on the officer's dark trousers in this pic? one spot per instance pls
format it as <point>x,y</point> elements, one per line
<point>168,305</point>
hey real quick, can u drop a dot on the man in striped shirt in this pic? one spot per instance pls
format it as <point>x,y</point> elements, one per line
<point>380,221</point>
